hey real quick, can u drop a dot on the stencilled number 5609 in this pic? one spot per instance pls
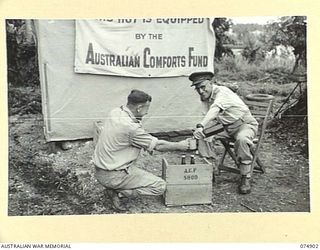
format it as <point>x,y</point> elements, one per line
<point>190,177</point>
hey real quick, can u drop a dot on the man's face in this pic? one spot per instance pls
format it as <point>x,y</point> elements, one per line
<point>142,110</point>
<point>204,89</point>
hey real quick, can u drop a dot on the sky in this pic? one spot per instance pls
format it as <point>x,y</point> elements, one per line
<point>255,19</point>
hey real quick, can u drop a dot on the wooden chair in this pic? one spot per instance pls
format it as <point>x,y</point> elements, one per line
<point>261,111</point>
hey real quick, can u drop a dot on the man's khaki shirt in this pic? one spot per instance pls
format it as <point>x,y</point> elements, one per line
<point>121,141</point>
<point>232,108</point>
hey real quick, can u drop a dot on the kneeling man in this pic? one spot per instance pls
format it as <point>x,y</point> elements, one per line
<point>119,146</point>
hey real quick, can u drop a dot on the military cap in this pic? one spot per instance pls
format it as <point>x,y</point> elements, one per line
<point>198,77</point>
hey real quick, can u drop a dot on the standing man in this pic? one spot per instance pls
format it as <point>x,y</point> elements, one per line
<point>226,107</point>
<point>118,147</point>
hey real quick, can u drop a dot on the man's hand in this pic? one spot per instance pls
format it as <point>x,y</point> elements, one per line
<point>192,143</point>
<point>198,133</point>
<point>183,145</point>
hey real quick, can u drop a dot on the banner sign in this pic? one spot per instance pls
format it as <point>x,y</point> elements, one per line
<point>160,47</point>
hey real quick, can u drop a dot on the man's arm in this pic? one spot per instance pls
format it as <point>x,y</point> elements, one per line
<point>141,139</point>
<point>163,145</point>
<point>210,116</point>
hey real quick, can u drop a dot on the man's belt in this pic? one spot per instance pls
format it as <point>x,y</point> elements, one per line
<point>233,125</point>
<point>107,170</point>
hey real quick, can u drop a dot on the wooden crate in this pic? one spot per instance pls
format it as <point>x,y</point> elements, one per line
<point>188,184</point>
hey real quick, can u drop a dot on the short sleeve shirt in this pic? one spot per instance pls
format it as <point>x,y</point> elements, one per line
<point>232,108</point>
<point>121,141</point>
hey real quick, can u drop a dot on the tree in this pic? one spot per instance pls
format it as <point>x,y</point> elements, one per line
<point>290,32</point>
<point>253,49</point>
<point>21,53</point>
<point>220,27</point>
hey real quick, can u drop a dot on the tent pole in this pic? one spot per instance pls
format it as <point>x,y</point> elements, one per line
<point>47,108</point>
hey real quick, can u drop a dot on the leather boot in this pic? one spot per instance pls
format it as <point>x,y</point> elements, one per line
<point>244,187</point>
<point>115,200</point>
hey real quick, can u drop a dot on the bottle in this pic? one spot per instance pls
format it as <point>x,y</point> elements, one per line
<point>193,144</point>
<point>192,161</point>
<point>183,159</point>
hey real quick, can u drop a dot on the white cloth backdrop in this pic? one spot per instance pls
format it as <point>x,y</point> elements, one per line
<point>72,101</point>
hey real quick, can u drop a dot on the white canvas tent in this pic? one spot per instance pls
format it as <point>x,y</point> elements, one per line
<point>72,102</point>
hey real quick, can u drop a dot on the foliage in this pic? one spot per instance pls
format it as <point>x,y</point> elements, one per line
<point>221,26</point>
<point>258,40</point>
<point>249,36</point>
<point>24,100</point>
<point>271,54</point>
<point>21,55</point>
<point>253,50</point>
<point>270,69</point>
<point>290,32</point>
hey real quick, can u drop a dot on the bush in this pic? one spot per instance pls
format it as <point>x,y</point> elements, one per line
<point>239,68</point>
<point>21,56</point>
<point>24,100</point>
<point>280,64</point>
